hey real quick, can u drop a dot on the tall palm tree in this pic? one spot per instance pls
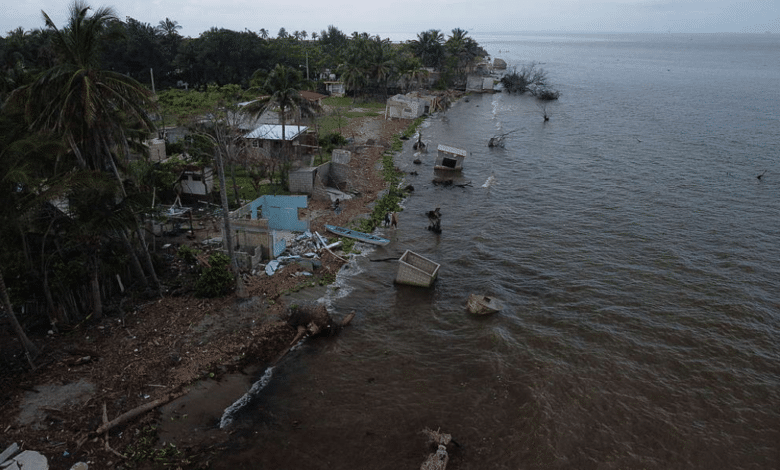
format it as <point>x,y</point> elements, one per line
<point>429,47</point>
<point>463,48</point>
<point>168,27</point>
<point>263,33</point>
<point>29,347</point>
<point>283,86</point>
<point>381,61</point>
<point>99,113</point>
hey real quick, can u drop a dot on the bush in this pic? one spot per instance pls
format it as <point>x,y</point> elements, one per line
<point>216,280</point>
<point>330,141</point>
<point>528,76</point>
<point>188,254</point>
<point>545,94</point>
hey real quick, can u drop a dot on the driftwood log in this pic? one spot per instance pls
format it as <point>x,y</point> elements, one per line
<point>137,411</point>
<point>312,321</point>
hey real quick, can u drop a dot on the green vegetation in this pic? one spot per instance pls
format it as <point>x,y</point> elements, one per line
<point>144,450</point>
<point>188,254</point>
<point>74,129</point>
<point>391,201</point>
<point>216,280</point>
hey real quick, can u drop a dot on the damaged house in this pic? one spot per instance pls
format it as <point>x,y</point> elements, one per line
<point>262,228</point>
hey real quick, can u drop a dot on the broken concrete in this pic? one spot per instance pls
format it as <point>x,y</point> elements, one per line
<point>27,460</point>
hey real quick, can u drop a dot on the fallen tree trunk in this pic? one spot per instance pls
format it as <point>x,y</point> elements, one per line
<point>137,411</point>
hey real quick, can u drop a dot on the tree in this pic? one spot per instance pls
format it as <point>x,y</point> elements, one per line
<point>98,113</point>
<point>527,77</point>
<point>28,345</point>
<point>282,34</point>
<point>353,71</point>
<point>169,28</point>
<point>429,47</point>
<point>410,71</point>
<point>283,86</point>
<point>263,33</point>
<point>462,51</point>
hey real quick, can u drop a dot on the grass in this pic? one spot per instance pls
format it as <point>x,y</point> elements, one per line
<point>342,112</point>
<point>246,191</point>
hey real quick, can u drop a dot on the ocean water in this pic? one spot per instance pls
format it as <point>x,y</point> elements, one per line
<point>635,251</point>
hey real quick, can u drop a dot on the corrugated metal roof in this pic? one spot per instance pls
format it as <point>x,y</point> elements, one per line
<point>274,132</point>
<point>453,150</point>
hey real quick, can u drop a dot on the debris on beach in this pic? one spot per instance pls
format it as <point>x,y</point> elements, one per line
<point>498,139</point>
<point>489,182</point>
<point>438,459</point>
<point>303,249</point>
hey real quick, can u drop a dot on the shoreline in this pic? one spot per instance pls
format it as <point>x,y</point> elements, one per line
<point>168,347</point>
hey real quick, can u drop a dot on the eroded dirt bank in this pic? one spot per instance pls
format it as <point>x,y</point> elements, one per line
<point>159,349</point>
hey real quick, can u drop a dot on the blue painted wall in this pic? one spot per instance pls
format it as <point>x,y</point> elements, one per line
<point>281,212</point>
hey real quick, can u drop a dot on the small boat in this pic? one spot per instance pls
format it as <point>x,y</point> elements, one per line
<point>360,236</point>
<point>482,304</point>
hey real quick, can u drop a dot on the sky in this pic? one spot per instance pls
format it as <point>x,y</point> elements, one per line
<point>402,19</point>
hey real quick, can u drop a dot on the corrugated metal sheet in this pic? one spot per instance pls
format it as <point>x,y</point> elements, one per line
<point>274,132</point>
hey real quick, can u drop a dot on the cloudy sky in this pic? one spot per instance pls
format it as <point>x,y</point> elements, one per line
<point>412,16</point>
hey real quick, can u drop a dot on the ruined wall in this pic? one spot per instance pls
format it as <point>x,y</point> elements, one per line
<point>339,169</point>
<point>305,180</point>
<point>302,181</point>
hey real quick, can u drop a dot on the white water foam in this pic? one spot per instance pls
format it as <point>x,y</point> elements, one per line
<point>230,412</point>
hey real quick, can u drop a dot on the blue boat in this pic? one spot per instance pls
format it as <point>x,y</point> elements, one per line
<point>360,236</point>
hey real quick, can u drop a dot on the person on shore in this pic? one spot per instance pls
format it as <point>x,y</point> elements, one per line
<point>434,220</point>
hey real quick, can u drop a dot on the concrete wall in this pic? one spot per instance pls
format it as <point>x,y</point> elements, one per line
<point>280,211</point>
<point>197,183</point>
<point>305,180</point>
<point>479,83</point>
<point>404,107</point>
<point>157,150</point>
<point>339,169</point>
<point>302,181</point>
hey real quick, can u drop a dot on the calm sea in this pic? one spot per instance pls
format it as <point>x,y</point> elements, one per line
<point>635,250</point>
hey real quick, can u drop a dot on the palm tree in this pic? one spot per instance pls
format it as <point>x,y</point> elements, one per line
<point>28,345</point>
<point>169,28</point>
<point>381,61</point>
<point>463,48</point>
<point>429,47</point>
<point>263,33</point>
<point>283,85</point>
<point>98,113</point>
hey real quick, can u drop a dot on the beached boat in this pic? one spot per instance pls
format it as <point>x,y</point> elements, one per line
<point>482,304</point>
<point>360,236</point>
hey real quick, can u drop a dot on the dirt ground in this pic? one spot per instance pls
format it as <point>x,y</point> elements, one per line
<point>152,349</point>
